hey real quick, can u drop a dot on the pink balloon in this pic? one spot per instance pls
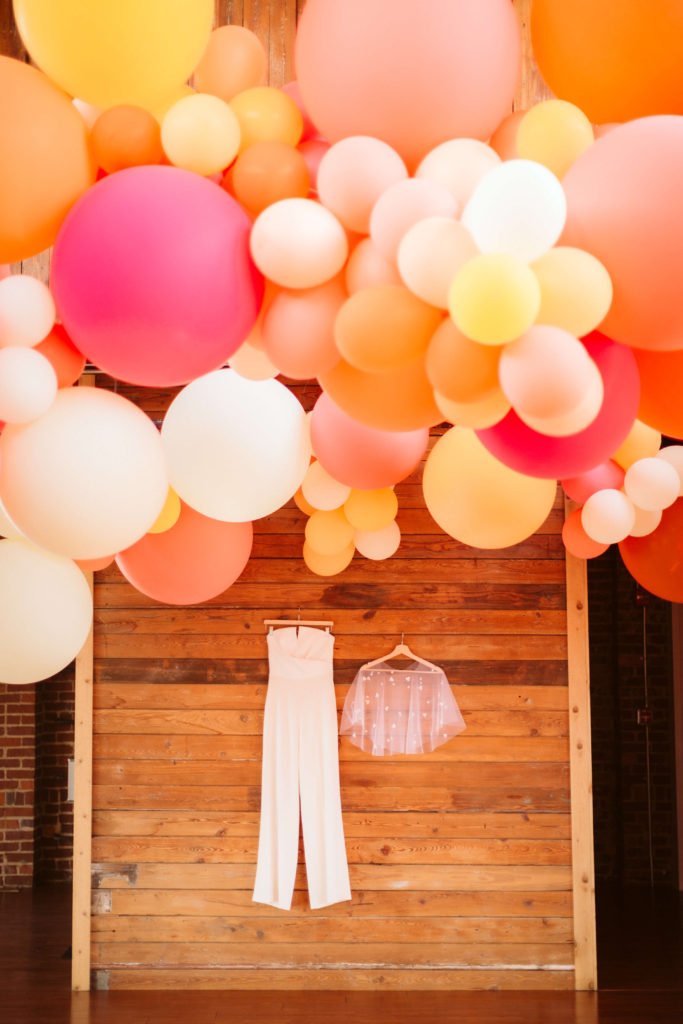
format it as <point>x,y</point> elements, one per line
<point>197,559</point>
<point>152,275</point>
<point>361,456</point>
<point>607,475</point>
<point>527,451</point>
<point>313,150</point>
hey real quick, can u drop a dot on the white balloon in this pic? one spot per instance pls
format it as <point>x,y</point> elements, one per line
<point>652,483</point>
<point>28,384</point>
<point>237,449</point>
<point>378,544</point>
<point>321,490</point>
<point>608,516</point>
<point>298,243</point>
<point>459,164</point>
<point>27,310</point>
<point>646,522</point>
<point>45,612</point>
<point>519,208</point>
<point>86,479</point>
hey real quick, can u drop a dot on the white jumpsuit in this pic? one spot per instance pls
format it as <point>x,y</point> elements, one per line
<point>300,773</point>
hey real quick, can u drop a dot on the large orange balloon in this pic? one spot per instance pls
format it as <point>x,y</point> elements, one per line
<point>412,76</point>
<point>46,162</point>
<point>400,400</point>
<point>617,61</point>
<point>624,199</point>
<point>656,560</point>
<point>661,406</point>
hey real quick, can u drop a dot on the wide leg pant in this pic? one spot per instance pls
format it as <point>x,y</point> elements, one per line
<point>300,774</point>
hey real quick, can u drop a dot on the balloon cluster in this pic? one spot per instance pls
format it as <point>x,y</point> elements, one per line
<point>382,226</point>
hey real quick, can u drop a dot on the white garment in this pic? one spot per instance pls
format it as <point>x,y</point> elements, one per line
<point>400,711</point>
<point>301,771</point>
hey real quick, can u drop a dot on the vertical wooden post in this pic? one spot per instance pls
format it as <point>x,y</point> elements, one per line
<point>581,775</point>
<point>82,855</point>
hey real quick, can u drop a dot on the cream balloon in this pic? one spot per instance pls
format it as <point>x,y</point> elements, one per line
<point>403,205</point>
<point>459,164</point>
<point>28,384</point>
<point>27,310</point>
<point>368,268</point>
<point>9,529</point>
<point>321,490</point>
<point>608,516</point>
<point>298,243</point>
<point>673,454</point>
<point>646,522</point>
<point>430,254</point>
<point>378,544</point>
<point>237,449</point>
<point>652,484</point>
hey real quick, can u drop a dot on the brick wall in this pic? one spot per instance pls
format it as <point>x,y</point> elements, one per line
<point>54,746</point>
<point>17,770</point>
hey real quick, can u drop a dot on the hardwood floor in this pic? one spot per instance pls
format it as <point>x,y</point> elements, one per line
<point>641,977</point>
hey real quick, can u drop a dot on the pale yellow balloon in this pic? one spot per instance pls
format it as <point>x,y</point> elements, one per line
<point>494,298</point>
<point>371,510</point>
<point>328,533</point>
<point>201,133</point>
<point>476,499</point>
<point>576,290</point>
<point>328,565</point>
<point>642,442</point>
<point>554,133</point>
<point>169,514</point>
<point>484,412</point>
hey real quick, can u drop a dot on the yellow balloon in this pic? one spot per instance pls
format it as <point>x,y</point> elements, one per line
<point>642,442</point>
<point>200,133</point>
<point>481,413</point>
<point>108,52</point>
<point>554,133</point>
<point>328,533</point>
<point>476,499</point>
<point>494,298</point>
<point>328,565</point>
<point>371,510</point>
<point>169,514</point>
<point>266,113</point>
<point>576,290</point>
<point>160,110</point>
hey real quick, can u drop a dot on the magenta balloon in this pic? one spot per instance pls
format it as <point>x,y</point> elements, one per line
<point>361,456</point>
<point>607,475</point>
<point>535,454</point>
<point>197,559</point>
<point>152,275</point>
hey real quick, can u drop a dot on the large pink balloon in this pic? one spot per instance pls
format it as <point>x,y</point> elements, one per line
<point>623,197</point>
<point>152,275</point>
<point>361,456</point>
<point>197,559</point>
<point>411,76</point>
<point>528,451</point>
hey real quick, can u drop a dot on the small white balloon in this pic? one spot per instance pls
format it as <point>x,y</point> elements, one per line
<point>652,483</point>
<point>673,454</point>
<point>27,310</point>
<point>237,449</point>
<point>646,522</point>
<point>321,490</point>
<point>298,243</point>
<point>519,208</point>
<point>378,544</point>
<point>28,384</point>
<point>45,612</point>
<point>608,516</point>
<point>459,164</point>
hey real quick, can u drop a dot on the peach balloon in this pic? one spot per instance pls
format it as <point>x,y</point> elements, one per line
<point>460,369</point>
<point>371,510</point>
<point>265,113</point>
<point>478,414</point>
<point>646,522</point>
<point>368,268</point>
<point>234,60</point>
<point>673,454</point>
<point>328,532</point>
<point>429,256</point>
<point>554,133</point>
<point>313,151</point>
<point>404,204</point>
<point>401,399</point>
<point>298,329</point>
<point>126,136</point>
<point>652,484</point>
<point>328,565</point>
<point>94,564</point>
<point>268,171</point>
<point>321,490</point>
<point>382,329</point>
<point>303,505</point>
<point>378,544</point>
<point>353,174</point>
<point>504,139</point>
<point>252,363</point>
<point>459,165</point>
<point>298,243</point>
<point>577,541</point>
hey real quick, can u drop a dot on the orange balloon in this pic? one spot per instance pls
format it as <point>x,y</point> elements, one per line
<point>577,541</point>
<point>328,565</point>
<point>402,399</point>
<point>616,61</point>
<point>656,560</point>
<point>504,139</point>
<point>126,136</point>
<point>460,369</point>
<point>265,113</point>
<point>234,60</point>
<point>46,160</point>
<point>384,328</point>
<point>268,171</point>
<point>371,510</point>
<point>94,564</point>
<point>328,532</point>
<point>298,329</point>
<point>660,390</point>
<point>67,362</point>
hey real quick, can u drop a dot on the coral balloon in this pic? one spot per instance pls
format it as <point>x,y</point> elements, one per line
<point>494,298</point>
<point>67,362</point>
<point>378,544</point>
<point>460,369</point>
<point>656,561</point>
<point>401,399</point>
<point>267,172</point>
<point>321,490</point>
<point>46,163</point>
<point>298,329</point>
<point>237,449</point>
<point>234,60</point>
<point>143,51</point>
<point>328,532</point>
<point>328,565</point>
<point>404,204</point>
<point>476,499</point>
<point>126,136</point>
<point>88,477</point>
<point>132,260</point>
<point>608,516</point>
<point>429,256</point>
<point>660,391</point>
<point>45,612</point>
<point>368,268</point>
<point>576,290</point>
<point>577,541</point>
<point>27,310</point>
<point>459,165</point>
<point>265,113</point>
<point>297,243</point>
<point>616,62</point>
<point>504,139</point>
<point>529,451</point>
<point>623,195</point>
<point>607,474</point>
<point>353,174</point>
<point>554,133</point>
<point>28,384</point>
<point>652,484</point>
<point>200,133</point>
<point>377,69</point>
<point>193,561</point>
<point>361,456</point>
<point>382,329</point>
<point>371,510</point>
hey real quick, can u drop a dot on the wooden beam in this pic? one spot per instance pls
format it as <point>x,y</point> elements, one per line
<point>82,855</point>
<point>581,774</point>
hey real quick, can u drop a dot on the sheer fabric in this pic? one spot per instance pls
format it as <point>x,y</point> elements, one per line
<point>400,711</point>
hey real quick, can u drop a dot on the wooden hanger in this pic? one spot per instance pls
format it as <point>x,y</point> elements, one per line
<point>401,648</point>
<point>269,623</point>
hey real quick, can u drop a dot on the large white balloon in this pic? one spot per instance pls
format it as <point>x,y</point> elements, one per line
<point>237,449</point>
<point>86,479</point>
<point>519,208</point>
<point>45,612</point>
